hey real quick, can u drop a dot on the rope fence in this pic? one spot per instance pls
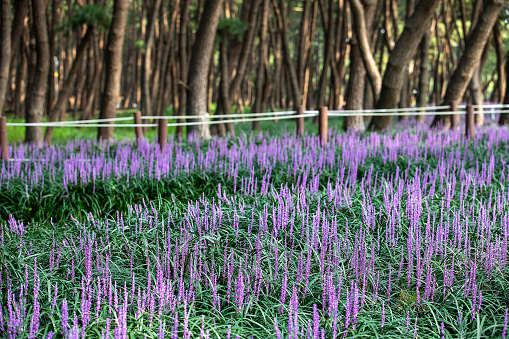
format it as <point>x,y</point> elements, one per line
<point>299,115</point>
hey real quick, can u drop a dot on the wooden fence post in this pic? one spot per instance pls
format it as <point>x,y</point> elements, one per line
<point>455,118</point>
<point>323,125</point>
<point>163,133</point>
<point>3,139</point>
<point>470,122</point>
<point>300,121</point>
<point>138,130</point>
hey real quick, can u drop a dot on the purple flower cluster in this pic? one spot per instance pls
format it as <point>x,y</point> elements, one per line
<point>366,244</point>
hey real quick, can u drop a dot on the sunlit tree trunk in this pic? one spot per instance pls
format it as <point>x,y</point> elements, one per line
<point>113,66</point>
<point>39,91</point>
<point>200,59</point>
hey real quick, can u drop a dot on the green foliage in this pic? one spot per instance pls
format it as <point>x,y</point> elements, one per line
<point>95,15</point>
<point>230,29</point>
<point>139,45</point>
<point>91,15</point>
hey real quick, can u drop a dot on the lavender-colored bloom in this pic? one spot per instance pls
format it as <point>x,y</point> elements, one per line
<point>504,331</point>
<point>316,320</point>
<point>442,328</point>
<point>383,313</point>
<point>64,317</point>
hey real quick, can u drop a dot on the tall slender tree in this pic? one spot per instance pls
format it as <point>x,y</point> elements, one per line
<point>113,63</point>
<point>5,56</point>
<point>200,60</point>
<point>39,90</point>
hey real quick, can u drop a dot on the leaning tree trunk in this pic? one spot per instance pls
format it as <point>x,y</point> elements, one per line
<point>361,57</point>
<point>5,56</point>
<point>113,64</point>
<point>40,87</point>
<point>470,58</point>
<point>404,49</point>
<point>200,61</point>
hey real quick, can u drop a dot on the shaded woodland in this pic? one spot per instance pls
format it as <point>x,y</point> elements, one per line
<point>83,59</point>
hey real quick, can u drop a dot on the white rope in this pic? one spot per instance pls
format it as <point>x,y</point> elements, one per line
<point>237,121</point>
<point>175,117</point>
<point>96,120</point>
<point>43,124</point>
<point>487,106</point>
<point>342,114</point>
<point>389,110</point>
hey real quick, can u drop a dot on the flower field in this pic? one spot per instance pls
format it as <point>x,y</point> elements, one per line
<point>401,235</point>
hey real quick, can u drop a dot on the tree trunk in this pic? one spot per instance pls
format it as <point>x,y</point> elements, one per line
<point>200,59</point>
<point>40,87</point>
<point>504,117</point>
<point>422,100</point>
<point>363,19</point>
<point>184,69</point>
<point>224,84</point>
<point>242,59</point>
<point>88,110</point>
<point>501,76</point>
<point>68,87</point>
<point>146,98</point>
<point>328,27</point>
<point>404,49</point>
<point>360,57</point>
<point>5,56</point>
<point>280,10</point>
<point>52,50</point>
<point>263,65</point>
<point>113,64</point>
<point>470,58</point>
<point>20,90</point>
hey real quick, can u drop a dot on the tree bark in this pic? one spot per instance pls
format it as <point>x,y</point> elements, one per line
<point>282,24</point>
<point>183,56</point>
<point>404,49</point>
<point>146,98</point>
<point>501,75</point>
<point>5,56</point>
<point>363,22</point>
<point>361,61</point>
<point>504,117</point>
<point>263,64</point>
<point>470,58</point>
<point>68,87</point>
<point>242,58</point>
<point>113,64</point>
<point>88,110</point>
<point>422,100</point>
<point>200,59</point>
<point>39,91</point>
<point>20,90</point>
